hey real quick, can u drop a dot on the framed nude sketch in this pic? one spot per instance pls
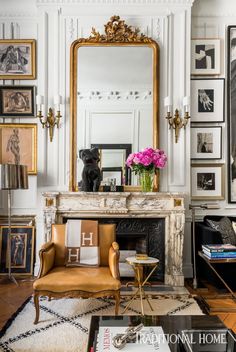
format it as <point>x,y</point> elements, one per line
<point>18,145</point>
<point>16,101</point>
<point>17,59</point>
<point>22,250</point>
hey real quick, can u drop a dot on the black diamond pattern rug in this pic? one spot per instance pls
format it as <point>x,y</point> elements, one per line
<point>64,323</point>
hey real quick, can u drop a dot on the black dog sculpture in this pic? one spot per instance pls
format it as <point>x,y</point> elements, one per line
<point>91,174</point>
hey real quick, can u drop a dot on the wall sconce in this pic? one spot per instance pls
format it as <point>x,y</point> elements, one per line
<point>53,118</point>
<point>177,122</point>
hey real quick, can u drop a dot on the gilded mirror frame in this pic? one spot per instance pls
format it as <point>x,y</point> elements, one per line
<point>117,33</point>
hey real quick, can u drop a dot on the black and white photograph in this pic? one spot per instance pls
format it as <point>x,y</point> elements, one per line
<point>205,56</point>
<point>206,142</point>
<point>16,101</point>
<point>22,250</point>
<point>231,108</point>
<point>17,59</point>
<point>207,100</point>
<point>207,181</point>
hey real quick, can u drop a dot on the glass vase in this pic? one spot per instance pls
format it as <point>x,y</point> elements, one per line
<point>146,181</point>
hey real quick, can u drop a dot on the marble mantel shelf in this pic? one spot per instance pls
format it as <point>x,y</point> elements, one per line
<point>170,206</point>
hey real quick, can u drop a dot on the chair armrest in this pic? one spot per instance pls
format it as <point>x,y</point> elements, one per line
<point>46,256</point>
<point>113,260</point>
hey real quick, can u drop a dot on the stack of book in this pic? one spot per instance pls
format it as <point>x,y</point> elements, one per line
<point>219,251</point>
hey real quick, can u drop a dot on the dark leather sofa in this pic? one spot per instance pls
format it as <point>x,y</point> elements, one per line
<point>204,234</point>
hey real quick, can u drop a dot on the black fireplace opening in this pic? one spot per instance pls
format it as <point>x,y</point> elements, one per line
<point>142,235</point>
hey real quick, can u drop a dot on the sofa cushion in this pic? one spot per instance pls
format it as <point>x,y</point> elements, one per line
<point>224,226</point>
<point>64,279</point>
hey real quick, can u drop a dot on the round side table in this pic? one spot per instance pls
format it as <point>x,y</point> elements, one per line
<point>138,266</point>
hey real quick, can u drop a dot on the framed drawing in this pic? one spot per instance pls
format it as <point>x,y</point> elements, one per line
<point>109,173</point>
<point>18,145</point>
<point>205,57</point>
<point>207,181</point>
<point>206,142</point>
<point>207,100</point>
<point>231,108</point>
<point>22,250</point>
<point>17,59</point>
<point>17,101</point>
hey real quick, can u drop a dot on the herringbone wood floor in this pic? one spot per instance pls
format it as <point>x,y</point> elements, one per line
<point>12,297</point>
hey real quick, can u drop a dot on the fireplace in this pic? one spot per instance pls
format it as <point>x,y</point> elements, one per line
<point>140,235</point>
<point>145,221</point>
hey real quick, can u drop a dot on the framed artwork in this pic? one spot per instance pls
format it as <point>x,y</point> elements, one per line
<point>207,100</point>
<point>109,173</point>
<point>231,108</point>
<point>206,142</point>
<point>207,181</point>
<point>22,250</point>
<point>205,57</point>
<point>17,59</point>
<point>17,101</point>
<point>18,145</point>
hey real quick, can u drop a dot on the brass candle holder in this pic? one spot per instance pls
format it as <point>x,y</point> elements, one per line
<point>51,120</point>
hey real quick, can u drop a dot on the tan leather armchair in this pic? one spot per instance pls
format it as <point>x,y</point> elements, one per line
<point>57,280</point>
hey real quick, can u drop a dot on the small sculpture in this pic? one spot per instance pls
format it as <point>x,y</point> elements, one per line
<point>91,174</point>
<point>119,341</point>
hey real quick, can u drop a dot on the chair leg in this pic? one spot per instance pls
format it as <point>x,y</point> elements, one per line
<point>36,304</point>
<point>117,298</point>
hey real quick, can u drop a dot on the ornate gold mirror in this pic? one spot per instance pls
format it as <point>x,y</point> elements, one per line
<point>114,98</point>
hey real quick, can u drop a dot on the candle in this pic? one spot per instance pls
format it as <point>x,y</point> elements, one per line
<point>186,103</point>
<point>57,102</point>
<point>39,101</point>
<point>168,103</point>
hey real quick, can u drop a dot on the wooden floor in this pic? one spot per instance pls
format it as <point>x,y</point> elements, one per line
<point>12,297</point>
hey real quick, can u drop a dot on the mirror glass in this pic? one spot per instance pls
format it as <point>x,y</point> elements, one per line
<point>114,104</point>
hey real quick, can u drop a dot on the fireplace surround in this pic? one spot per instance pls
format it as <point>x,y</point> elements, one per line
<point>129,210</point>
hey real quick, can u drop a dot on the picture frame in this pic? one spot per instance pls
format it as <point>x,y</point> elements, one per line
<point>16,101</point>
<point>231,109</point>
<point>17,59</point>
<point>22,250</point>
<point>205,56</point>
<point>207,181</point>
<point>206,143</point>
<point>112,173</point>
<point>207,100</point>
<point>18,145</point>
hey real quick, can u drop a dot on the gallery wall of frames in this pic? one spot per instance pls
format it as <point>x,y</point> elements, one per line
<point>213,106</point>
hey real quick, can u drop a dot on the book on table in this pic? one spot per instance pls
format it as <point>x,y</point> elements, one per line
<point>148,339</point>
<point>218,248</point>
<point>220,255</point>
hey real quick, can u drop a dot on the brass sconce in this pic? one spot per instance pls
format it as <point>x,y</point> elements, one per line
<point>177,122</point>
<point>53,118</point>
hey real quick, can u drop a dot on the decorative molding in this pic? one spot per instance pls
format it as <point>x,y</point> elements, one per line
<point>16,14</point>
<point>115,95</point>
<point>133,2</point>
<point>116,30</point>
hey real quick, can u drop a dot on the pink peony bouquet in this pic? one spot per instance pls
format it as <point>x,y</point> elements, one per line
<point>147,159</point>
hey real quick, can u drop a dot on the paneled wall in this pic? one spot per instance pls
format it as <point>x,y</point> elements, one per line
<point>55,24</point>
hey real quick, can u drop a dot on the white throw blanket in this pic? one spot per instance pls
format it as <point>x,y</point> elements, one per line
<point>81,242</point>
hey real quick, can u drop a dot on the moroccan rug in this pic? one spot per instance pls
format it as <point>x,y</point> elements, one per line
<point>64,323</point>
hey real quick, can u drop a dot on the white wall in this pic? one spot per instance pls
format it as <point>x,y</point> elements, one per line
<point>55,24</point>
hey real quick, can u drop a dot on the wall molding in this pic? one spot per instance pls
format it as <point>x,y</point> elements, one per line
<point>17,14</point>
<point>110,2</point>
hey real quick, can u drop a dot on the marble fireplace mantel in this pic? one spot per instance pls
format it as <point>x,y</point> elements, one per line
<point>170,206</point>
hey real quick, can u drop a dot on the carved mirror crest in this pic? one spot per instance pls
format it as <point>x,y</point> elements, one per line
<point>114,95</point>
